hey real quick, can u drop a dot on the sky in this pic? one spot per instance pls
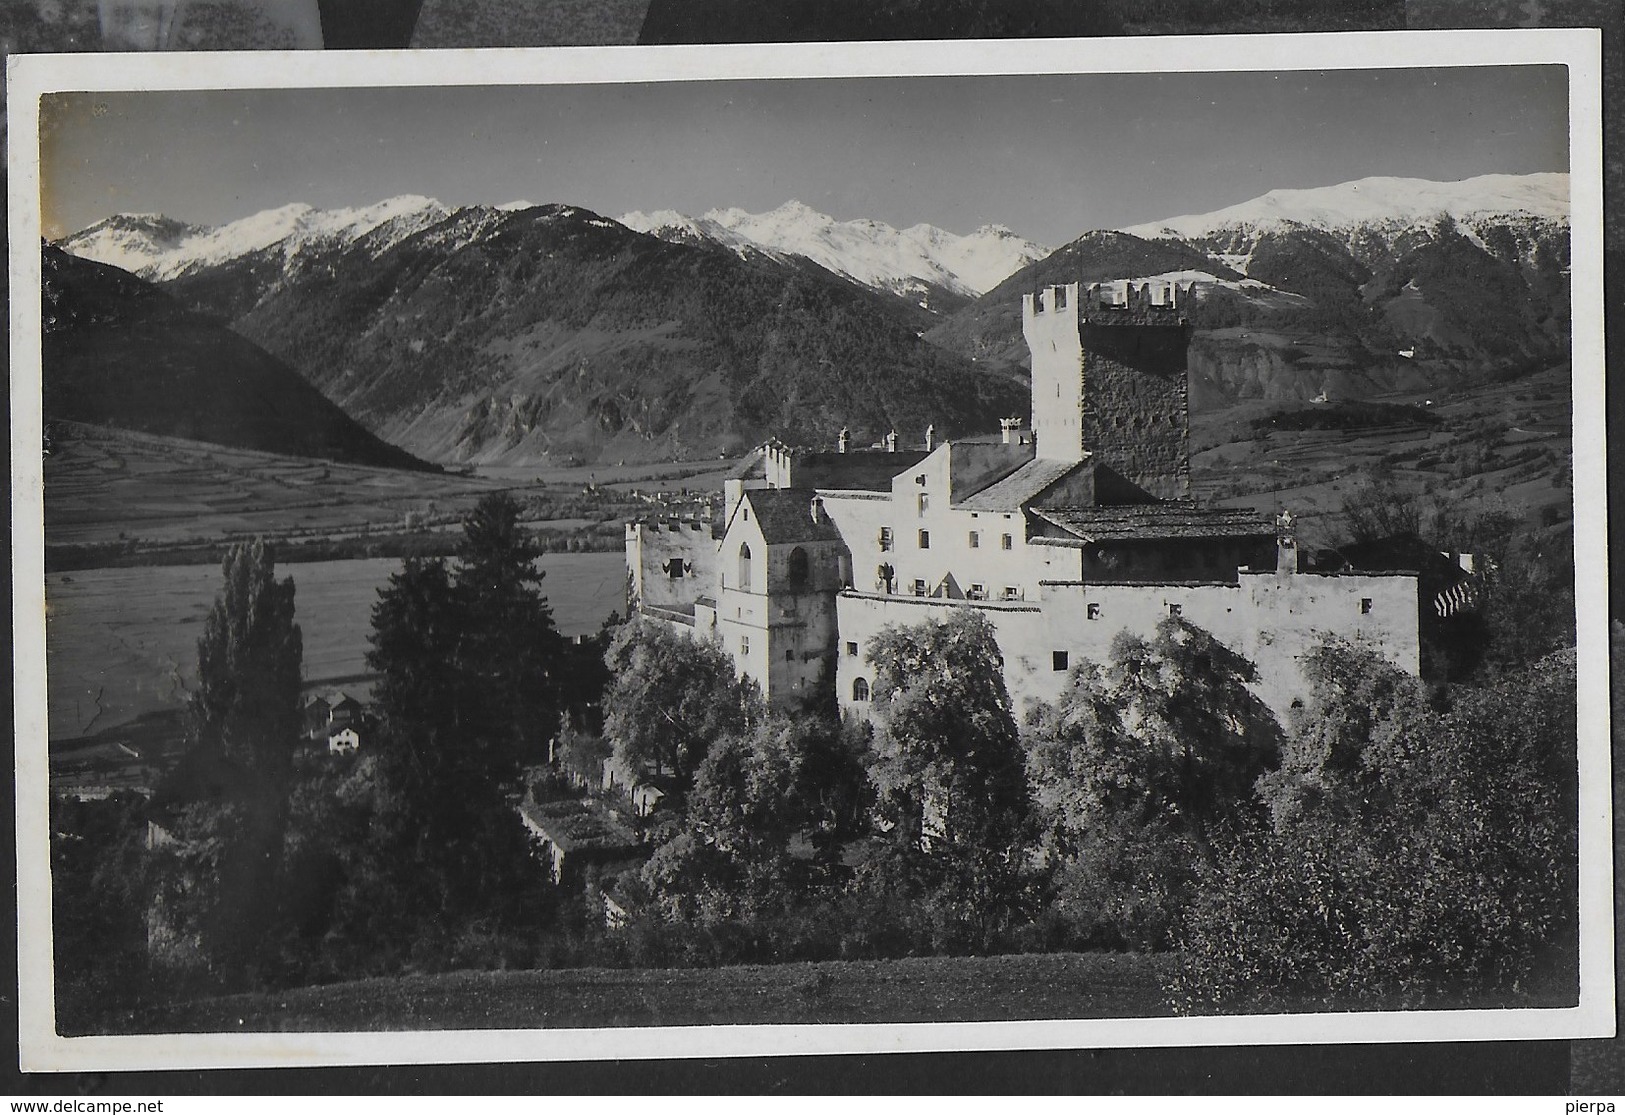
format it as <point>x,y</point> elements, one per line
<point>1047,156</point>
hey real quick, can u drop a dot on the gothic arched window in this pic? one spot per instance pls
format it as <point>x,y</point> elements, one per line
<point>860,689</point>
<point>744,565</point>
<point>796,568</point>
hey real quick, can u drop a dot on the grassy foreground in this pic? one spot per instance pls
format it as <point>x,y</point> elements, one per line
<point>926,989</point>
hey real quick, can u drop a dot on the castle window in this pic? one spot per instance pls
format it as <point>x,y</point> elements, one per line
<point>977,592</point>
<point>796,568</point>
<point>1176,609</point>
<point>925,540</point>
<point>744,565</point>
<point>789,654</point>
<point>920,480</point>
<point>1006,542</point>
<point>1365,605</point>
<point>860,689</point>
<point>919,586</point>
<point>925,502</point>
<point>675,569</point>
<point>976,540</point>
<point>1011,592</point>
<point>885,539</point>
<point>884,574</point>
<point>851,649</point>
<point>1058,661</point>
<point>744,644</point>
<point>1094,611</point>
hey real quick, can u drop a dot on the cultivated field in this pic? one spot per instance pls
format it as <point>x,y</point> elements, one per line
<point>919,989</point>
<point>1506,446</point>
<point>104,485</point>
<point>123,642</point>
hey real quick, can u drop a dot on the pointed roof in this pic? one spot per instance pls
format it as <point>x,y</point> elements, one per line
<point>784,516</point>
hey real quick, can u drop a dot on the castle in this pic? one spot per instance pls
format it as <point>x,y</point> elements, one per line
<point>1063,534</point>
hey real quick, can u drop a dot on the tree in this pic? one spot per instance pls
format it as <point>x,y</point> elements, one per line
<point>1200,738</point>
<point>227,799</point>
<point>1137,769</point>
<point>671,698</point>
<point>468,662</point>
<point>419,695</point>
<point>246,705</point>
<point>1419,855</point>
<point>947,768</point>
<point>509,651</point>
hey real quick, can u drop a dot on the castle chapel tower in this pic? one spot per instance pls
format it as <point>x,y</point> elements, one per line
<point>1109,379</point>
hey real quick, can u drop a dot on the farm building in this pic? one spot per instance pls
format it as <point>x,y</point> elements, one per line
<point>1063,535</point>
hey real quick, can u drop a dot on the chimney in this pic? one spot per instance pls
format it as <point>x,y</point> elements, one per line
<point>1286,543</point>
<point>891,441</point>
<point>1010,427</point>
<point>845,441</point>
<point>930,437</point>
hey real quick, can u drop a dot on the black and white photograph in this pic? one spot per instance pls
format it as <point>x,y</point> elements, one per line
<point>588,553</point>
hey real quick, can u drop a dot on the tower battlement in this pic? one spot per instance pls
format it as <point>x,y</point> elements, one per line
<point>1119,302</point>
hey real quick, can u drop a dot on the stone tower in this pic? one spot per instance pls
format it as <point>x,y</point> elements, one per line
<point>1109,379</point>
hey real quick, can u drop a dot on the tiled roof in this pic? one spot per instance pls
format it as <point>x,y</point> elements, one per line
<point>864,469</point>
<point>1156,521</point>
<point>1021,487</point>
<point>785,516</point>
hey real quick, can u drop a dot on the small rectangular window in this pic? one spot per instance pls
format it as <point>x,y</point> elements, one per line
<point>1058,661</point>
<point>925,503</point>
<point>851,650</point>
<point>976,540</point>
<point>925,540</point>
<point>1365,605</point>
<point>1006,542</point>
<point>1011,592</point>
<point>789,654</point>
<point>919,586</point>
<point>885,538</point>
<point>744,644</point>
<point>1094,611</point>
<point>1176,609</point>
<point>977,592</point>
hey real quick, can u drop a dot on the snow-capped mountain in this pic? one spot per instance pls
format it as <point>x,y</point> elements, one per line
<point>1383,208</point>
<point>159,249</point>
<point>910,262</point>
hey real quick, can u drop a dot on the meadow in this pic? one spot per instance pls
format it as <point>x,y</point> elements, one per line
<point>912,989</point>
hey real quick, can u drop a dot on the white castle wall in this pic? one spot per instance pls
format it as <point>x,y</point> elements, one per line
<point>1272,619</point>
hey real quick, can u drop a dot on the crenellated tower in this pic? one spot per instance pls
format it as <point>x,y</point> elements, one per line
<point>1109,379</point>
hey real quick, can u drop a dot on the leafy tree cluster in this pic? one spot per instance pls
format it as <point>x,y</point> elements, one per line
<point>1415,855</point>
<point>1405,844</point>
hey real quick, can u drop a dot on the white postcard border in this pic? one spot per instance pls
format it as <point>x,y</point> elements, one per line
<point>30,77</point>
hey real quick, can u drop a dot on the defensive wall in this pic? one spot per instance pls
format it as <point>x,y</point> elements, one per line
<point>1270,618</point>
